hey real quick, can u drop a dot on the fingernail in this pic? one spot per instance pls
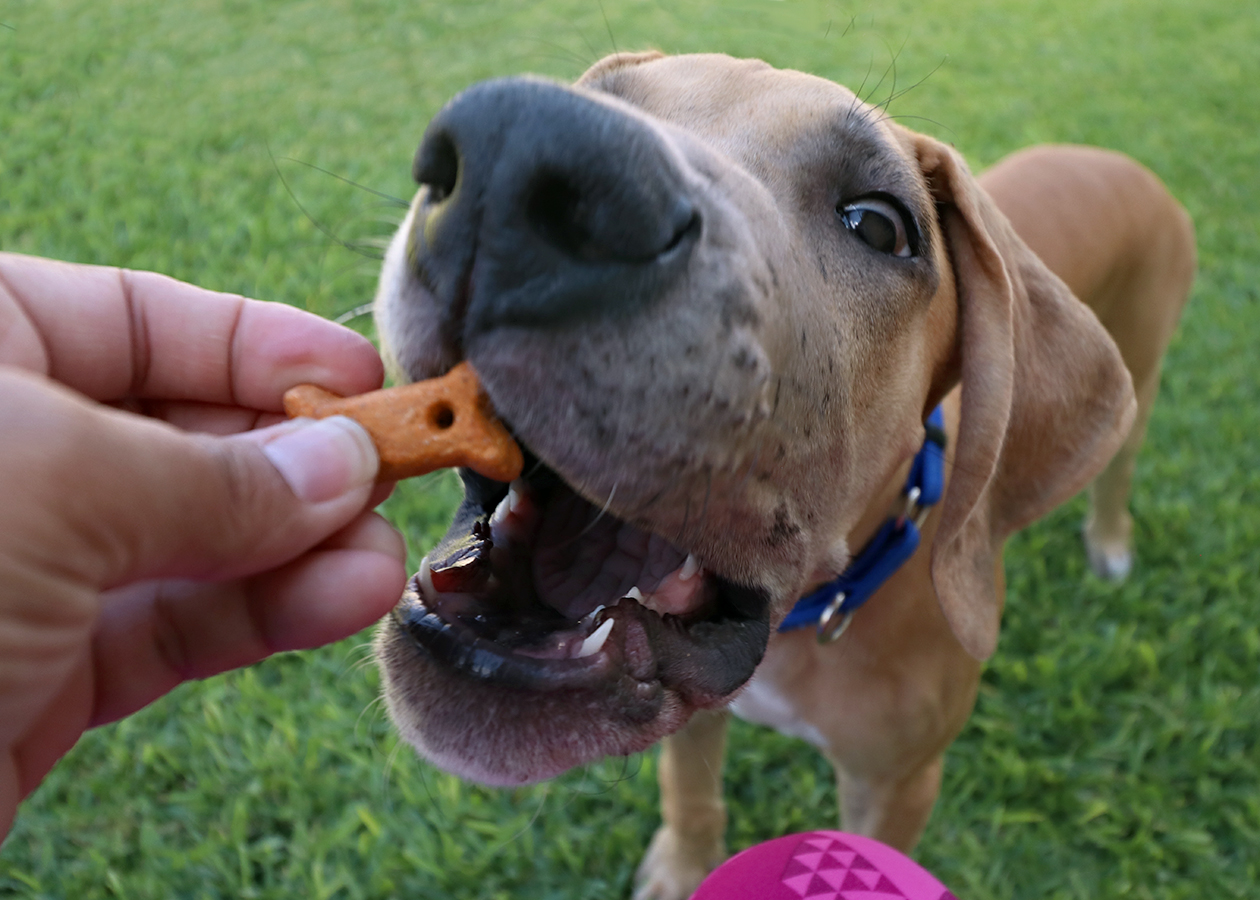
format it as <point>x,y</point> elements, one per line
<point>322,459</point>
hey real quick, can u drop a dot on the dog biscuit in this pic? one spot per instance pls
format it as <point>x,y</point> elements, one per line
<point>421,427</point>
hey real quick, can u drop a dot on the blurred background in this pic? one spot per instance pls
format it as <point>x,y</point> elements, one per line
<point>265,148</point>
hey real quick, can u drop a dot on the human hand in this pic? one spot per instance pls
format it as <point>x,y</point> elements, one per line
<point>139,551</point>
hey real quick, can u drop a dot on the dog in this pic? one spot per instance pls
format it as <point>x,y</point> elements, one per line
<point>718,304</point>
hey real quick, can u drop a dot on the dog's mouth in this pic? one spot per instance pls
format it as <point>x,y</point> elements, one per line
<point>535,588</point>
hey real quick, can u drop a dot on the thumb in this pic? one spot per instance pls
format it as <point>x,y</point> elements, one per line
<point>116,498</point>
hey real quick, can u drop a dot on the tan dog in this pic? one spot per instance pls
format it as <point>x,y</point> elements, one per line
<point>715,302</point>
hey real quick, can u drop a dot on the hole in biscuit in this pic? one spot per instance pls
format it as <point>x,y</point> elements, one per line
<point>441,416</point>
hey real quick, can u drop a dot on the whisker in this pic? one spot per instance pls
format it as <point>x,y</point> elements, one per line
<point>534,469</point>
<point>902,93</point>
<point>354,664</point>
<point>393,201</point>
<point>581,534</point>
<point>350,315</point>
<point>564,53</point>
<point>628,773</point>
<point>595,54</point>
<point>371,707</point>
<point>940,125</point>
<point>893,67</point>
<point>857,95</point>
<point>608,26</point>
<point>543,793</point>
<point>298,203</point>
<point>391,759</point>
<point>363,266</point>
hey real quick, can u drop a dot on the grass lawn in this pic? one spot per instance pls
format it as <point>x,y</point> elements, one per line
<point>1115,748</point>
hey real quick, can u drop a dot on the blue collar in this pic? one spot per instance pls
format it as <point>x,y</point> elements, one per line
<point>831,606</point>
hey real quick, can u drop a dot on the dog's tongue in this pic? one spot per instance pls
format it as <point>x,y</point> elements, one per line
<point>584,559</point>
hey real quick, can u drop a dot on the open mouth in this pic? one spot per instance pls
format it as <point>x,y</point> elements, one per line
<point>535,588</point>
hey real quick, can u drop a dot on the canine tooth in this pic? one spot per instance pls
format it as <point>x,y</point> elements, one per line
<point>516,495</point>
<point>595,642</point>
<point>690,567</point>
<point>590,616</point>
<point>634,594</point>
<point>514,515</point>
<point>500,514</point>
<point>503,524</point>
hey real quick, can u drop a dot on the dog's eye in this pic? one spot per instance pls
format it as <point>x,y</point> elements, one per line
<point>878,224</point>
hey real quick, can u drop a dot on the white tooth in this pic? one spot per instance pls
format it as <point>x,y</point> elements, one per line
<point>595,642</point>
<point>500,514</point>
<point>426,579</point>
<point>590,616</point>
<point>634,594</point>
<point>689,568</point>
<point>516,495</point>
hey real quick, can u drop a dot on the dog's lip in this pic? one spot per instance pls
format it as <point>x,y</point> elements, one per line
<point>487,660</point>
<point>697,634</point>
<point>705,661</point>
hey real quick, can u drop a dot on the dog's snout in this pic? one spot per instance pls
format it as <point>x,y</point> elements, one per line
<point>543,205</point>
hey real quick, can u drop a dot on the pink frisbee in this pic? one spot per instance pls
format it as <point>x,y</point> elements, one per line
<point>821,865</point>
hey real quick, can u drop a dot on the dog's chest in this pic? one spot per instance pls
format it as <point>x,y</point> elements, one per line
<point>762,703</point>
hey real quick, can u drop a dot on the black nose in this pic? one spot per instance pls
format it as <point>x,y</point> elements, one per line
<point>545,205</point>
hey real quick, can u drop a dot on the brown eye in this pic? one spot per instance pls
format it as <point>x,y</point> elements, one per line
<point>878,224</point>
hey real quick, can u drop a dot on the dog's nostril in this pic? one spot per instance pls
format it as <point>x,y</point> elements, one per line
<point>556,210</point>
<point>688,224</point>
<point>437,166</point>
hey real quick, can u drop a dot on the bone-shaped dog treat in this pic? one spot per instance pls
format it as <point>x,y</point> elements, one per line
<point>421,427</point>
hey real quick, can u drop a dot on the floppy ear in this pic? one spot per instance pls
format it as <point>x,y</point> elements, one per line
<point>1046,398</point>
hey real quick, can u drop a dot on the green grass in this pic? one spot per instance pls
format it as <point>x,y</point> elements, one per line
<point>1114,748</point>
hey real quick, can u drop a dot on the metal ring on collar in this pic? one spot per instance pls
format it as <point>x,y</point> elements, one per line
<point>832,623</point>
<point>912,510</point>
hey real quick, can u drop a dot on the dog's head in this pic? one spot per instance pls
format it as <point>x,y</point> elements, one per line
<point>715,302</point>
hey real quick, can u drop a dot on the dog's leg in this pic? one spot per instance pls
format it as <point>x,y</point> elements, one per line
<point>691,841</point>
<point>1141,316</point>
<point>1108,528</point>
<point>1108,227</point>
<point>895,812</point>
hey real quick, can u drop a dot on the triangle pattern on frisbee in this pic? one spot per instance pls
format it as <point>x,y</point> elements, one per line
<point>828,869</point>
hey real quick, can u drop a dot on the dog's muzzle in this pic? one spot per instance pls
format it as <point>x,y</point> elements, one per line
<point>552,218</point>
<point>569,207</point>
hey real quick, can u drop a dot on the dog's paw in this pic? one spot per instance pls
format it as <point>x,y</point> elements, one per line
<point>674,866</point>
<point>1111,558</point>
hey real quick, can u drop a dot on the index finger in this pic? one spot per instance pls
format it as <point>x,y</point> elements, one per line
<point>112,334</point>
